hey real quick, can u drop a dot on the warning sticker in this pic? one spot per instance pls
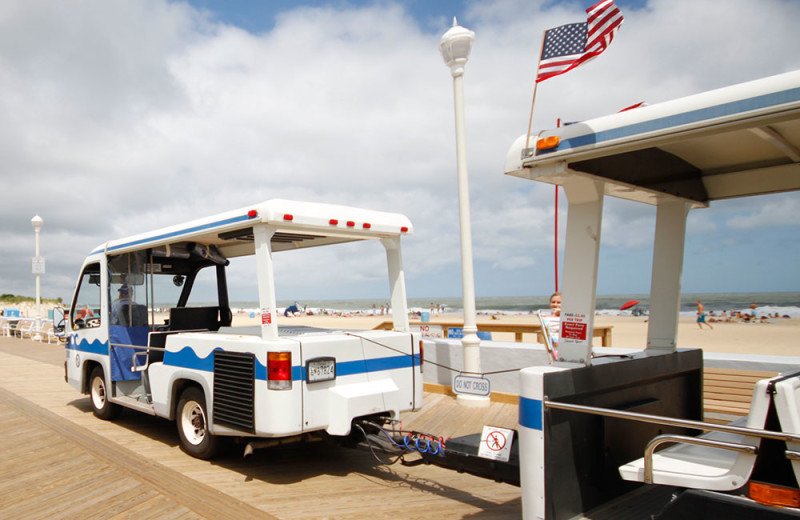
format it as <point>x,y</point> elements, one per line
<point>496,443</point>
<point>266,317</point>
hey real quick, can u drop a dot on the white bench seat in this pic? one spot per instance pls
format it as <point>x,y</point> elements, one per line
<point>705,467</point>
<point>787,404</point>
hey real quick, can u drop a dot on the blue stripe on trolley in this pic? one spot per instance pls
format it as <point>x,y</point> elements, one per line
<point>675,120</point>
<point>175,234</point>
<point>530,413</point>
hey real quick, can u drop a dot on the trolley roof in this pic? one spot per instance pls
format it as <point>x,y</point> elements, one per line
<point>732,142</point>
<point>297,225</point>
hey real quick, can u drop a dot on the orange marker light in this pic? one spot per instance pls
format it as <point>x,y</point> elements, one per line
<point>774,495</point>
<point>547,143</point>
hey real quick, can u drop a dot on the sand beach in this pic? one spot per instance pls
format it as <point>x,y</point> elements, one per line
<point>777,336</point>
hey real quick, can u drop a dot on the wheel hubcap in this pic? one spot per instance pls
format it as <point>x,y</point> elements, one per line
<point>193,421</point>
<point>98,393</point>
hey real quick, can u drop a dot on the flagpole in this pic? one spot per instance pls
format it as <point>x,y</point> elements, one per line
<point>533,101</point>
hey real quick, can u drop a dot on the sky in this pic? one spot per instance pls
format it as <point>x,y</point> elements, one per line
<point>120,117</point>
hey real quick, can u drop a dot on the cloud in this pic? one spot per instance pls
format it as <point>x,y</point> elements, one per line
<point>782,211</point>
<point>121,117</point>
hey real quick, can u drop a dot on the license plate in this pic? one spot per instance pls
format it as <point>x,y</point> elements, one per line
<point>320,369</point>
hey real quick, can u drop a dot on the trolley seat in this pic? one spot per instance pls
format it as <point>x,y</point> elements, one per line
<point>706,467</point>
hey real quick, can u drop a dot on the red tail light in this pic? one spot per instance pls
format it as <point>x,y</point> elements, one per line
<point>279,370</point>
<point>421,355</point>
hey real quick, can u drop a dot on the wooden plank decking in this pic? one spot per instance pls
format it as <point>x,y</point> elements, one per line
<point>729,391</point>
<point>59,461</point>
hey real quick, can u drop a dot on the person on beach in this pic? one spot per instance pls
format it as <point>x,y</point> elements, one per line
<point>701,316</point>
<point>85,312</point>
<point>555,304</point>
<point>552,323</point>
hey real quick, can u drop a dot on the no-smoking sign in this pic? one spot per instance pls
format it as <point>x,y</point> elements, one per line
<point>496,443</point>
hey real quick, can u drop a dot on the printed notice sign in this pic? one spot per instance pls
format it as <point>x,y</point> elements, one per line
<point>496,443</point>
<point>37,265</point>
<point>266,317</point>
<point>472,385</point>
<point>574,327</point>
<point>429,331</point>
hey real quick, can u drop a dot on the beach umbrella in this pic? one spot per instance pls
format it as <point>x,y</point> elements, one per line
<point>628,304</point>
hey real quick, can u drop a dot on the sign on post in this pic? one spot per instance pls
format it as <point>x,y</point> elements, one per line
<point>472,385</point>
<point>37,265</point>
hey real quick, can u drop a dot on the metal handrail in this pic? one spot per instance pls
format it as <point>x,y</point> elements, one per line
<point>683,439</point>
<point>142,347</point>
<point>144,351</point>
<point>671,421</point>
<point>792,455</point>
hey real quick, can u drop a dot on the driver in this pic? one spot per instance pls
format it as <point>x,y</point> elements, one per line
<point>116,307</point>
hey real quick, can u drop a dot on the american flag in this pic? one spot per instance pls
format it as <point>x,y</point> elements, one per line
<point>574,44</point>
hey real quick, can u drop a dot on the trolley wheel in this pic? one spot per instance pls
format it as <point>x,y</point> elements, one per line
<point>193,426</point>
<point>101,406</point>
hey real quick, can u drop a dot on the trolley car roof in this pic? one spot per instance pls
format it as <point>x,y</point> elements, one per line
<point>731,142</point>
<point>296,224</point>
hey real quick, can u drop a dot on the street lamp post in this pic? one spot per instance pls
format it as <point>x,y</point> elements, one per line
<point>455,47</point>
<point>37,267</point>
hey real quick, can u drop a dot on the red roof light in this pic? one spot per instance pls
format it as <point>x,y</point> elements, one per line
<point>350,223</point>
<point>367,225</point>
<point>252,213</point>
<point>404,229</point>
<point>333,222</point>
<point>288,216</point>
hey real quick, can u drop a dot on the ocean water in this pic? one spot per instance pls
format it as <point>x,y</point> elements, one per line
<point>783,303</point>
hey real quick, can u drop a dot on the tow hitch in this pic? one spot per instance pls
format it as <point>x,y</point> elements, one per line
<point>460,454</point>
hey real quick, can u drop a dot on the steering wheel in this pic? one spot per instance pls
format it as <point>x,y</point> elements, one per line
<point>93,321</point>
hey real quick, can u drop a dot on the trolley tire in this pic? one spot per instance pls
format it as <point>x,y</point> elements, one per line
<point>193,427</point>
<point>98,396</point>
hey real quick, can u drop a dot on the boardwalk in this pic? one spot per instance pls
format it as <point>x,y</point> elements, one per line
<point>59,461</point>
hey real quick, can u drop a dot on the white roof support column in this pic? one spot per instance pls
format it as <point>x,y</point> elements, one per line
<point>584,220</point>
<point>262,234</point>
<point>397,283</point>
<point>665,285</point>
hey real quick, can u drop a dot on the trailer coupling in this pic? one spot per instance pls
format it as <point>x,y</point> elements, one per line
<point>460,454</point>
